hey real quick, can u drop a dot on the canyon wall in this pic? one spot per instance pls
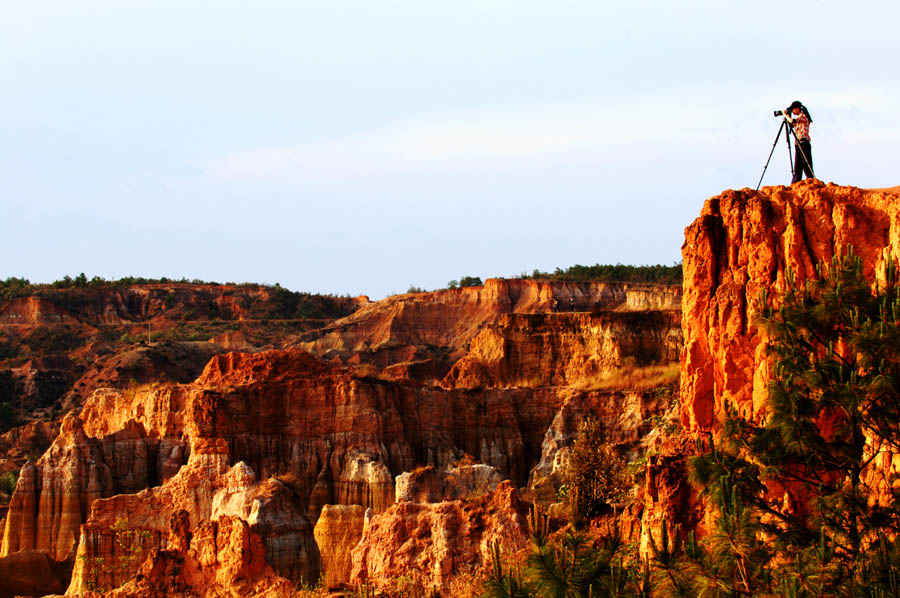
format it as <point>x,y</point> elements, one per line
<point>270,439</point>
<point>451,318</point>
<point>248,421</point>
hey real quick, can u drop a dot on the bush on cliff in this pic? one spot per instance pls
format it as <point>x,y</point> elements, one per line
<point>465,281</point>
<point>596,477</point>
<point>9,394</point>
<point>7,486</point>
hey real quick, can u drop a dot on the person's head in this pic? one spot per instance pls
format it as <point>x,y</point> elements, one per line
<point>795,108</point>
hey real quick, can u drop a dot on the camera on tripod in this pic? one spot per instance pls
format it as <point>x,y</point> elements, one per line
<point>778,113</point>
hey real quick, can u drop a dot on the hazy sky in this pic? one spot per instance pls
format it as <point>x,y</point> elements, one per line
<point>363,147</point>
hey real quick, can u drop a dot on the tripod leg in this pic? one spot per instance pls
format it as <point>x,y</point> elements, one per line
<point>787,140</point>
<point>777,135</point>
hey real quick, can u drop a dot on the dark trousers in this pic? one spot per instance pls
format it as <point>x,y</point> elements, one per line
<point>802,164</point>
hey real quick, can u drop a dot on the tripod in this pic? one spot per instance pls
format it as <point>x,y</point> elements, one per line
<point>788,130</point>
<point>787,139</point>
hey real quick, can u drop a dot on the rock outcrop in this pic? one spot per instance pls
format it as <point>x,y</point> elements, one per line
<point>337,532</point>
<point>745,242</point>
<point>212,448</point>
<point>215,559</point>
<point>430,484</point>
<point>52,497</point>
<point>29,573</point>
<point>34,310</point>
<point>434,542</point>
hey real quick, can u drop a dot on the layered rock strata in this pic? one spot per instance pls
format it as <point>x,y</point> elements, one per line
<point>565,349</point>
<point>449,319</point>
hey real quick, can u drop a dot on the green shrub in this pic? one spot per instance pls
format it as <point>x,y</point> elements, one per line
<point>597,478</point>
<point>52,339</point>
<point>8,482</point>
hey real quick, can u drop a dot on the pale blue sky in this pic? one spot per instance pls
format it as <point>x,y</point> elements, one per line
<point>361,147</point>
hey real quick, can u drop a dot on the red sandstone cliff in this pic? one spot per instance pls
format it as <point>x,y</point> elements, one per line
<point>745,241</point>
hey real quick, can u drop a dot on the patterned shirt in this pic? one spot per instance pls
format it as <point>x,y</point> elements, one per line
<point>801,127</point>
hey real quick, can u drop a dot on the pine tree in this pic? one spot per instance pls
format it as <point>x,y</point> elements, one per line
<point>833,411</point>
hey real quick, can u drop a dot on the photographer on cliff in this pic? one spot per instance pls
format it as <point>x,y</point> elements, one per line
<point>798,117</point>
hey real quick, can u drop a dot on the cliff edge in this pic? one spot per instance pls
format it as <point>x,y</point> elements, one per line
<point>745,242</point>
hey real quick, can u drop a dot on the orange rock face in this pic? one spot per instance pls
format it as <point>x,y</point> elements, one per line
<point>338,530</point>
<point>565,348</point>
<point>210,447</point>
<point>437,541</point>
<point>34,310</point>
<point>218,559</point>
<point>52,498</point>
<point>745,242</point>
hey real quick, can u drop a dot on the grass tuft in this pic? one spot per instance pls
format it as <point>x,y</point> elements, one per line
<point>633,378</point>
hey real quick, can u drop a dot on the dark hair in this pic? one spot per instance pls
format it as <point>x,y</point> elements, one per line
<point>799,104</point>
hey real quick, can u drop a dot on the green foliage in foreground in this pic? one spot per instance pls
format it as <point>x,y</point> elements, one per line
<point>566,565</point>
<point>612,273</point>
<point>833,419</point>
<point>803,504</point>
